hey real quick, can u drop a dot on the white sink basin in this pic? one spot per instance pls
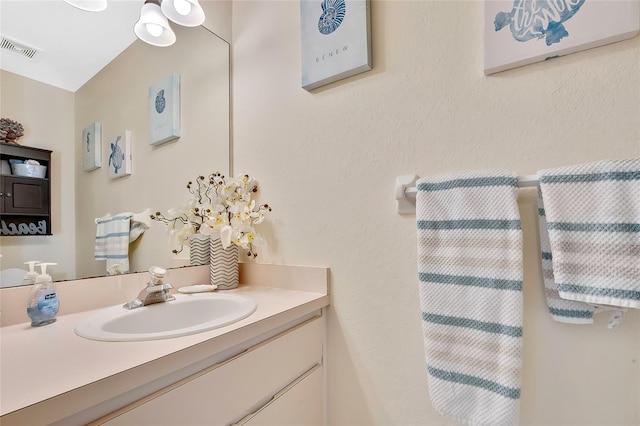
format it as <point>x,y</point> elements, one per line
<point>187,314</point>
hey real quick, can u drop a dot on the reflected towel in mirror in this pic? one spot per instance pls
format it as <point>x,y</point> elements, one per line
<point>113,236</point>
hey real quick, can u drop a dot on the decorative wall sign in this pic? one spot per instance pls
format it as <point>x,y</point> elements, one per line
<point>336,40</point>
<point>120,155</point>
<point>164,110</point>
<point>24,226</point>
<point>521,32</point>
<point>92,147</point>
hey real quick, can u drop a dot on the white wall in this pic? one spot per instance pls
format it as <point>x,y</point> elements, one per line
<point>46,113</point>
<point>327,162</point>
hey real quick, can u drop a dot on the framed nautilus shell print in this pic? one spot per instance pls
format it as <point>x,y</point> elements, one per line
<point>164,110</point>
<point>336,40</point>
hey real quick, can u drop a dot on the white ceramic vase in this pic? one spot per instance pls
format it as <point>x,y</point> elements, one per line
<point>224,265</point>
<point>199,246</point>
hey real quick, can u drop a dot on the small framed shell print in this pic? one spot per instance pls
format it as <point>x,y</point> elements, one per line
<point>164,110</point>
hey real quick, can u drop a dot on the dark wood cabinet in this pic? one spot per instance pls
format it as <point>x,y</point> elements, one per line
<point>25,202</point>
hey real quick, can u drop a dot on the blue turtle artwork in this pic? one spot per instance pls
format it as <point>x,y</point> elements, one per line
<point>333,12</point>
<point>535,19</point>
<point>117,156</point>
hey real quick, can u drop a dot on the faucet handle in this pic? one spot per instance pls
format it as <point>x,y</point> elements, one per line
<point>157,275</point>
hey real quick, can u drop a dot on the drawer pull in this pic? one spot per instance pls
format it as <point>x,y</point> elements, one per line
<point>276,395</point>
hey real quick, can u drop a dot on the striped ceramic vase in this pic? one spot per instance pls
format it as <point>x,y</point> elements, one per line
<point>199,245</point>
<point>224,265</point>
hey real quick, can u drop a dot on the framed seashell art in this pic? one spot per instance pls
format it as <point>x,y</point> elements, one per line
<point>336,40</point>
<point>164,110</point>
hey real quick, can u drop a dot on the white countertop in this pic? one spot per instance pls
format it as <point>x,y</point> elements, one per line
<point>39,363</point>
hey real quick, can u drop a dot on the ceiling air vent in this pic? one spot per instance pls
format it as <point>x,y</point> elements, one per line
<point>19,48</point>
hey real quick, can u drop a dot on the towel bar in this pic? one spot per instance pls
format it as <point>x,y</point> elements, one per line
<point>406,191</point>
<point>142,217</point>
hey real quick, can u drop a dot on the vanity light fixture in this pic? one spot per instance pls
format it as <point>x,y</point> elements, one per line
<point>188,13</point>
<point>153,27</point>
<point>89,5</point>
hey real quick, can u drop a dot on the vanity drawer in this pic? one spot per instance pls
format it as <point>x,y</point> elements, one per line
<point>299,404</point>
<point>226,392</point>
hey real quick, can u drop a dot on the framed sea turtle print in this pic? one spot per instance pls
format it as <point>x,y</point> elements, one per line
<point>120,158</point>
<point>164,110</point>
<point>521,32</point>
<point>335,40</point>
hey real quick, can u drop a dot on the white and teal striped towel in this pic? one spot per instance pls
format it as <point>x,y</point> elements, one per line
<point>593,217</point>
<point>561,310</point>
<point>470,278</point>
<point>113,235</point>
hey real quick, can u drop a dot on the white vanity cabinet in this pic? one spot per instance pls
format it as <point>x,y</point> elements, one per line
<point>278,382</point>
<point>264,369</point>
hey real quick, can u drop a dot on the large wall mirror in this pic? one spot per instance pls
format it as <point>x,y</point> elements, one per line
<point>117,97</point>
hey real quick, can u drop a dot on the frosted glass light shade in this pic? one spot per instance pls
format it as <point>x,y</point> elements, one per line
<point>89,5</point>
<point>153,27</point>
<point>188,13</point>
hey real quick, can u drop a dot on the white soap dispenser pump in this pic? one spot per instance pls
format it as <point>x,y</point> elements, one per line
<point>43,302</point>
<point>31,275</point>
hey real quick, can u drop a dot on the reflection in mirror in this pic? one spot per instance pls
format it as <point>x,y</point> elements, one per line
<point>117,97</point>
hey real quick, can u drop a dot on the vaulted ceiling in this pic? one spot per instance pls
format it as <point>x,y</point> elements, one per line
<point>72,45</point>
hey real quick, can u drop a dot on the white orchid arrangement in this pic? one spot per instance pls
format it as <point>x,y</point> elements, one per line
<point>219,207</point>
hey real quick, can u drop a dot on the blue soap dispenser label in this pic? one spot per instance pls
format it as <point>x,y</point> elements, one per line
<point>48,303</point>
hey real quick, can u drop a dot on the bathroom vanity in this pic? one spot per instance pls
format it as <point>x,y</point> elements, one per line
<point>264,369</point>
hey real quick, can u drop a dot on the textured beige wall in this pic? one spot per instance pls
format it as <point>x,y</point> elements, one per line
<point>46,113</point>
<point>327,162</point>
<point>117,97</point>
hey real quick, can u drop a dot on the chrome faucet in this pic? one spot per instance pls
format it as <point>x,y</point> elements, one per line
<point>156,290</point>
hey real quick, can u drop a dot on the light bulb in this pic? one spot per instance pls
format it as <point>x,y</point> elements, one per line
<point>153,27</point>
<point>183,12</point>
<point>154,30</point>
<point>183,7</point>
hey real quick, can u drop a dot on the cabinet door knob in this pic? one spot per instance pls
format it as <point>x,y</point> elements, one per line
<point>8,194</point>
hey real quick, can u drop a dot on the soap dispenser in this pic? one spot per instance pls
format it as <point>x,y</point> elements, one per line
<point>31,275</point>
<point>43,302</point>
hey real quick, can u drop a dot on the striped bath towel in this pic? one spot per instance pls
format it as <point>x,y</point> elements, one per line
<point>112,242</point>
<point>470,278</point>
<point>593,218</point>
<point>561,310</point>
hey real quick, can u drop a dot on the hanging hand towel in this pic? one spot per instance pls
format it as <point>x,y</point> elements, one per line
<point>593,217</point>
<point>561,310</point>
<point>112,242</point>
<point>139,223</point>
<point>470,278</point>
